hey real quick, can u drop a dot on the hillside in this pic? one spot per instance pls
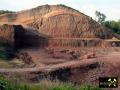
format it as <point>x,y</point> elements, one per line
<point>51,19</point>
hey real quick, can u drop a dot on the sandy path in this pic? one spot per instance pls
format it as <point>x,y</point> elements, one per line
<point>49,68</point>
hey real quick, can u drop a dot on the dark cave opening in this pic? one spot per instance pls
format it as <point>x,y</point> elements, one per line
<point>28,39</point>
<point>18,36</point>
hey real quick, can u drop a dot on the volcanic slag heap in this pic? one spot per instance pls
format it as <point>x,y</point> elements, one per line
<point>63,25</point>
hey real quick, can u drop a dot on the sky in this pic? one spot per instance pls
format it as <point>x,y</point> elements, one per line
<point>109,7</point>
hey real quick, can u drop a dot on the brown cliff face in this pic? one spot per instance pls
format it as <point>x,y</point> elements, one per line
<point>58,21</point>
<point>72,25</point>
<point>66,26</point>
<point>6,41</point>
<point>6,34</point>
<point>28,16</point>
<point>18,36</point>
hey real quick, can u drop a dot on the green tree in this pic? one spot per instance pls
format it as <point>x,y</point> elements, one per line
<point>5,11</point>
<point>100,17</point>
<point>114,25</point>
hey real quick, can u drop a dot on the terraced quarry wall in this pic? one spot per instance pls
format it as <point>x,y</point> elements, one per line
<point>58,22</point>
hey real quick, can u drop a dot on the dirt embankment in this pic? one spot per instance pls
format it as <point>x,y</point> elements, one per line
<point>83,71</point>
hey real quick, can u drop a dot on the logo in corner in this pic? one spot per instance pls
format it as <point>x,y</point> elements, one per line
<point>108,82</point>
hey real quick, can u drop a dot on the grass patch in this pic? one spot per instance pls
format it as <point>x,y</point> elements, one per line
<point>43,85</point>
<point>15,63</point>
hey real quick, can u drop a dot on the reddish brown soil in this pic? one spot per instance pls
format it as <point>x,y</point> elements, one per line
<point>86,70</point>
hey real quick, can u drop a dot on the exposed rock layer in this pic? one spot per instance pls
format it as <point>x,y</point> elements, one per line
<point>58,21</point>
<point>61,22</point>
<point>6,34</point>
<point>18,37</point>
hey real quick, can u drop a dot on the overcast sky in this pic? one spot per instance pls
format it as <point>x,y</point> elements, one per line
<point>109,7</point>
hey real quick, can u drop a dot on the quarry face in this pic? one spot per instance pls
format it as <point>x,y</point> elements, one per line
<point>57,41</point>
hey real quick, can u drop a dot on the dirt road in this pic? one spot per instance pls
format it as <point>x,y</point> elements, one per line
<point>50,68</point>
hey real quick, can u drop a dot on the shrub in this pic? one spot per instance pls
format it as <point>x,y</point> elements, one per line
<point>43,85</point>
<point>5,84</point>
<point>63,86</point>
<point>5,11</point>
